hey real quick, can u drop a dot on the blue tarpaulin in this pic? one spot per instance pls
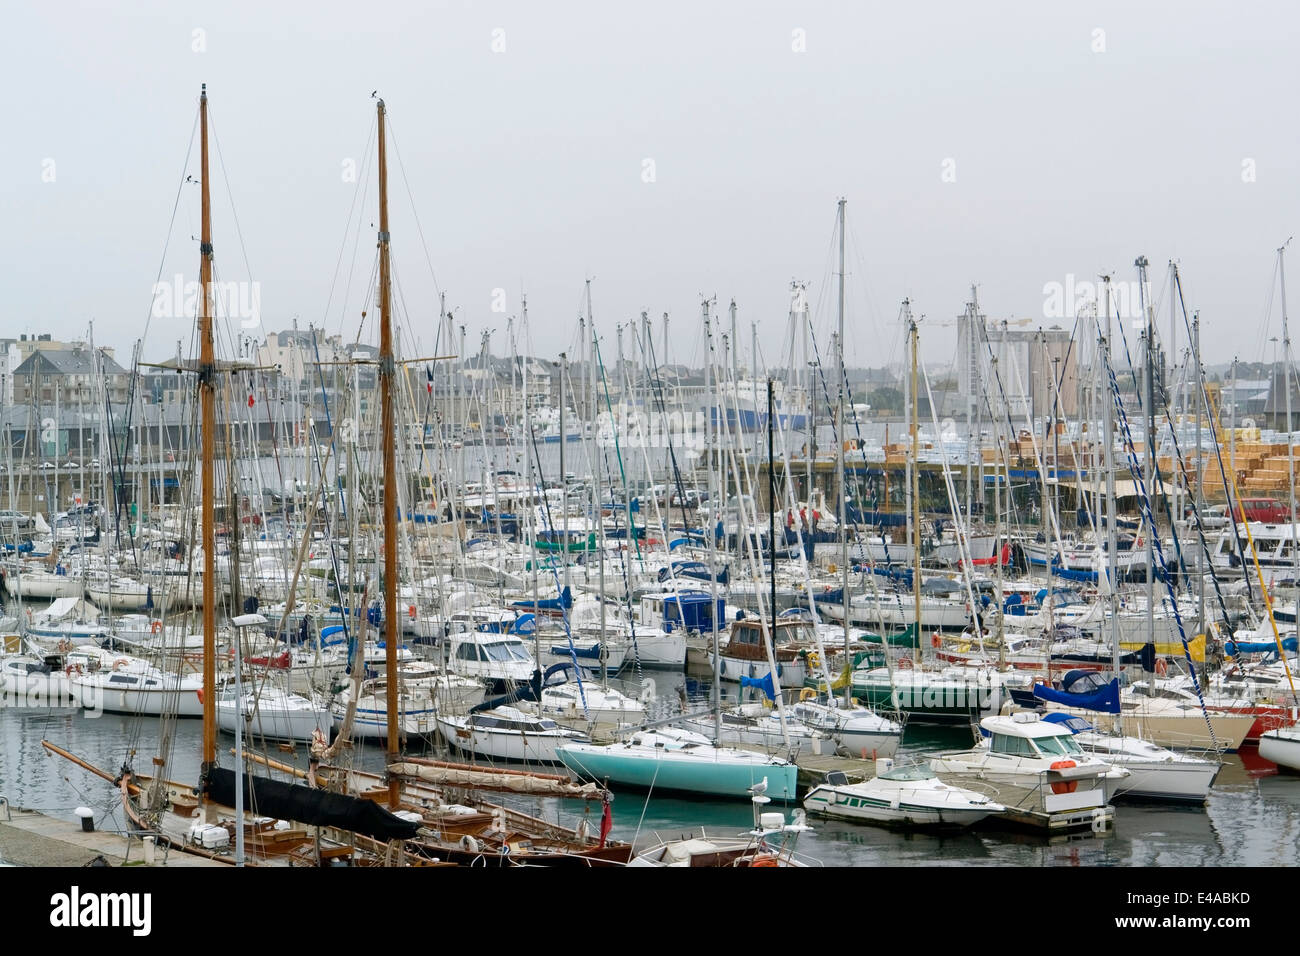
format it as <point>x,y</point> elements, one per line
<point>1085,690</point>
<point>763,684</point>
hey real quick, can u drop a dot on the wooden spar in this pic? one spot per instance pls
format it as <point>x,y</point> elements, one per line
<point>386,369</point>
<point>103,774</point>
<point>274,764</point>
<point>207,401</point>
<point>447,765</point>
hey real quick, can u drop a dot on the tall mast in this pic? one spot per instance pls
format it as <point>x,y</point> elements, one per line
<point>387,367</point>
<point>1148,314</point>
<point>839,464</point>
<point>207,405</point>
<point>1112,533</point>
<point>1286,387</point>
<point>916,493</point>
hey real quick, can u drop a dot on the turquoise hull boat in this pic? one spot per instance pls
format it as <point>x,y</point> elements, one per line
<point>682,761</point>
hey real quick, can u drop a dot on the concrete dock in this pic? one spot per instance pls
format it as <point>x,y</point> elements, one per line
<point>30,838</point>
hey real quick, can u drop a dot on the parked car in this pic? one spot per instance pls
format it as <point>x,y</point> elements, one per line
<point>1266,510</point>
<point>1213,518</point>
<point>9,520</point>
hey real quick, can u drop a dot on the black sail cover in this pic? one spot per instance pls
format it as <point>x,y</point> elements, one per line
<point>291,801</point>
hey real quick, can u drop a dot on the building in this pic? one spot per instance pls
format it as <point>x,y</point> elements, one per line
<point>69,377</point>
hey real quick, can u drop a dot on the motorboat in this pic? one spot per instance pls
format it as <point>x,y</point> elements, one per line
<point>900,796</point>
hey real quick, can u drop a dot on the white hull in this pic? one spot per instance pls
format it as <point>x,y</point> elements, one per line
<point>1282,747</point>
<point>539,747</point>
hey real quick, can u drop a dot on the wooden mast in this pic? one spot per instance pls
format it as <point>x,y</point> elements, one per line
<point>387,366</point>
<point>207,401</point>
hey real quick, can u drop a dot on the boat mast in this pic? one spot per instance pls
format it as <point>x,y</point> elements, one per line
<point>710,453</point>
<point>207,404</point>
<point>387,368</point>
<point>839,467</point>
<point>1112,533</point>
<point>1286,387</point>
<point>915,488</point>
<point>1148,314</point>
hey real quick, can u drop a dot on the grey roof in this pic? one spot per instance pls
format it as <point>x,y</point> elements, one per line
<point>69,361</point>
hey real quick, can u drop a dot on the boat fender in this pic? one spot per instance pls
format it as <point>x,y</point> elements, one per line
<point>469,844</point>
<point>1064,786</point>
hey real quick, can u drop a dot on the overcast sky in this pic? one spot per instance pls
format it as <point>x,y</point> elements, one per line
<point>665,149</point>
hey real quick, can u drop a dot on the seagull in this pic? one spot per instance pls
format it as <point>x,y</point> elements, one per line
<point>759,789</point>
<point>373,94</point>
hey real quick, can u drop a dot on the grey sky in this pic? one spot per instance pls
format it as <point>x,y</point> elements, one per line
<point>527,164</point>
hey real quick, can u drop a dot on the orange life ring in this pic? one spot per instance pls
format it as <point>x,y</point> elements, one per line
<point>905,663</point>
<point>1162,667</point>
<point>120,663</point>
<point>155,627</point>
<point>764,859</point>
<point>936,641</point>
<point>71,669</point>
<point>1065,786</point>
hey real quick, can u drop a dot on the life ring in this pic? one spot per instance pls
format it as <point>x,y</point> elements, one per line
<point>1039,679</point>
<point>120,663</point>
<point>905,663</point>
<point>1162,667</point>
<point>936,641</point>
<point>71,669</point>
<point>764,859</point>
<point>1064,786</point>
<point>807,693</point>
<point>814,660</point>
<point>155,627</point>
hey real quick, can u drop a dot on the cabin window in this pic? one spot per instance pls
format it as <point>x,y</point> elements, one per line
<point>467,652</point>
<point>1006,744</point>
<point>121,679</point>
<point>1057,746</point>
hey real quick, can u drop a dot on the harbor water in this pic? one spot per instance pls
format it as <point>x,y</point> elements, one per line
<point>1252,817</point>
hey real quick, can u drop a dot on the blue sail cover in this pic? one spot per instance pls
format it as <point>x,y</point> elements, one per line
<point>1088,577</point>
<point>1233,648</point>
<point>1085,690</point>
<point>763,684</point>
<point>561,603</point>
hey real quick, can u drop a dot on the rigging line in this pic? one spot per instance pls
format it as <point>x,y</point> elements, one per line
<point>171,223</point>
<point>414,211</point>
<point>1151,443</point>
<point>1230,488</point>
<point>234,214</point>
<point>657,393</point>
<point>1196,512</point>
<point>1144,505</point>
<point>357,193</point>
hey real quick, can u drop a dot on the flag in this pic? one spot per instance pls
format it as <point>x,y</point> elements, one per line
<point>606,820</point>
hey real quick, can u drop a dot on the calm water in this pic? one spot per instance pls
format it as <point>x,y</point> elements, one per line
<point>1252,817</point>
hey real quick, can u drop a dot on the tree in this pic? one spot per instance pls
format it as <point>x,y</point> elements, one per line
<point>886,398</point>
